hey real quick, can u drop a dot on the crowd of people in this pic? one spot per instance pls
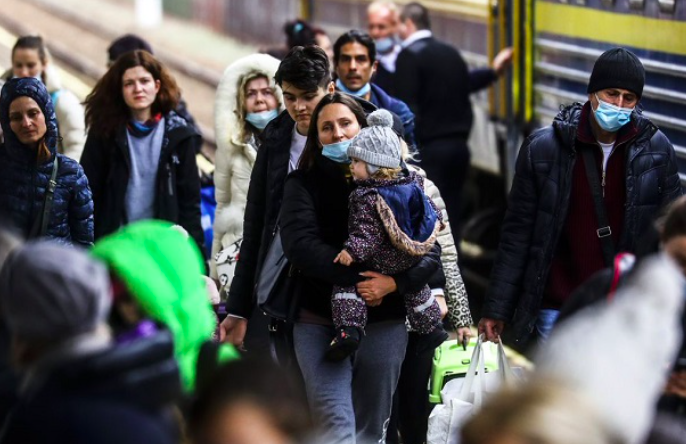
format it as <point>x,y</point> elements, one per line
<point>346,160</point>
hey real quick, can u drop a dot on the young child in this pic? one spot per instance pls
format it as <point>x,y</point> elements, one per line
<point>391,225</point>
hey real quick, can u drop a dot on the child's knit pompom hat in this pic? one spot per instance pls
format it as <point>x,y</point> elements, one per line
<point>377,145</point>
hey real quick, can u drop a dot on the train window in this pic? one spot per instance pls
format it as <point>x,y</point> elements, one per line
<point>637,4</point>
<point>608,3</point>
<point>580,2</point>
<point>667,6</point>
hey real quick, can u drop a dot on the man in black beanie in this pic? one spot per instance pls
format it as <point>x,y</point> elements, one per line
<point>585,188</point>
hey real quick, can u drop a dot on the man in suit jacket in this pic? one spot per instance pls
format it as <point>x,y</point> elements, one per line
<point>382,22</point>
<point>434,80</point>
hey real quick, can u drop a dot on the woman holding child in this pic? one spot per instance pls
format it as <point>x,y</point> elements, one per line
<point>350,398</point>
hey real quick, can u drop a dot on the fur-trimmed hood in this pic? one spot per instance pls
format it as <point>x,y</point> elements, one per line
<point>410,218</point>
<point>226,118</point>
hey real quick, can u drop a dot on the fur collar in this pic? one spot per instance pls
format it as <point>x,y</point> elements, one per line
<point>226,125</point>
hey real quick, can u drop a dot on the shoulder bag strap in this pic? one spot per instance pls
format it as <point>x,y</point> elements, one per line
<point>49,196</point>
<point>604,232</point>
<point>40,224</point>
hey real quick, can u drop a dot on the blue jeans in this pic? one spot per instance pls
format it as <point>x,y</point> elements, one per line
<point>545,322</point>
<point>352,399</point>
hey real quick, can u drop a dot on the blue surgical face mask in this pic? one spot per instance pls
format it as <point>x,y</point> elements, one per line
<point>359,93</point>
<point>260,120</point>
<point>384,45</point>
<point>338,152</point>
<point>610,117</point>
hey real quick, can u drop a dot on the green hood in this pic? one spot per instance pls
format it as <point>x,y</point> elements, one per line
<point>163,270</point>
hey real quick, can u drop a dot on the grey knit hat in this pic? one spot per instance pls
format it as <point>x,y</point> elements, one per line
<point>378,144</point>
<point>51,292</point>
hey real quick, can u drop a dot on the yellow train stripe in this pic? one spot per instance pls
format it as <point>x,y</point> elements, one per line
<point>610,27</point>
<point>529,62</point>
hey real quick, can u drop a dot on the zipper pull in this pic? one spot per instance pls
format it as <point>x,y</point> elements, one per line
<point>602,183</point>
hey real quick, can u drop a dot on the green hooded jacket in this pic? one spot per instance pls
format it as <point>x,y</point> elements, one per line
<point>163,270</point>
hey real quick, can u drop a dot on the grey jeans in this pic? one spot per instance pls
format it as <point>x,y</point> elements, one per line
<point>352,399</point>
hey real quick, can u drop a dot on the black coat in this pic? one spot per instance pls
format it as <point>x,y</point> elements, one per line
<point>106,161</point>
<point>124,394</point>
<point>261,210</point>
<point>314,227</point>
<point>265,195</point>
<point>538,203</point>
<point>434,81</point>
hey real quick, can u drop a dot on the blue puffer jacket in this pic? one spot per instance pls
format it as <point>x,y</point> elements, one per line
<point>23,183</point>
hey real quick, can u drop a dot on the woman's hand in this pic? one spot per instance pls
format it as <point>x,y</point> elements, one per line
<point>375,287</point>
<point>463,334</point>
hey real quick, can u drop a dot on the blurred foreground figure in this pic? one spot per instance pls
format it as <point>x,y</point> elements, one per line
<point>245,403</point>
<point>8,378</point>
<point>77,387</point>
<point>156,273</point>
<point>599,389</point>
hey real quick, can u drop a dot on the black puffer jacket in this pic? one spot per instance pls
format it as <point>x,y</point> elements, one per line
<point>106,161</point>
<point>538,203</point>
<point>23,183</point>
<point>314,228</point>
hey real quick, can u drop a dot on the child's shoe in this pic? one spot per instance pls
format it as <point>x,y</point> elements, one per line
<point>433,339</point>
<point>344,344</point>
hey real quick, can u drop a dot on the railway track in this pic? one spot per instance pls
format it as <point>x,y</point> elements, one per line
<point>79,45</point>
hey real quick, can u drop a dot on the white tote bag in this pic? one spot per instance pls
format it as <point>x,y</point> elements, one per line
<point>462,397</point>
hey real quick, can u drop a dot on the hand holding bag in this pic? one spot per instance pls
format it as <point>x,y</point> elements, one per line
<point>464,396</point>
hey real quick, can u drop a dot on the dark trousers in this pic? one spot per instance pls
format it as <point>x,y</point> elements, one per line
<point>257,336</point>
<point>446,162</point>
<point>410,413</point>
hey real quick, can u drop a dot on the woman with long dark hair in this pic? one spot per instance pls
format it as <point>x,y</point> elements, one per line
<point>140,155</point>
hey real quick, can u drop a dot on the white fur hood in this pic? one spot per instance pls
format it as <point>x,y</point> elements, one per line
<point>226,125</point>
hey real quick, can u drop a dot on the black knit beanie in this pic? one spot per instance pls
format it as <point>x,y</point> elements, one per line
<point>617,68</point>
